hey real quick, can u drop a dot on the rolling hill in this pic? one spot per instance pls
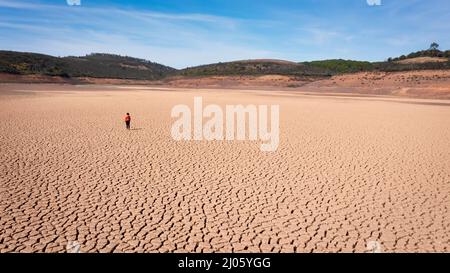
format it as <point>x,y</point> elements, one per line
<point>93,65</point>
<point>109,66</point>
<point>253,67</point>
<point>313,68</point>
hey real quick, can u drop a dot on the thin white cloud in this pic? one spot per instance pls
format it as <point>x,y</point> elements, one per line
<point>187,39</point>
<point>142,15</point>
<point>25,5</point>
<point>177,40</point>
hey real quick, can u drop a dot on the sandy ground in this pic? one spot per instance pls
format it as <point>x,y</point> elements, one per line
<point>421,60</point>
<point>430,84</point>
<point>415,84</point>
<point>239,82</point>
<point>349,170</point>
<point>423,84</point>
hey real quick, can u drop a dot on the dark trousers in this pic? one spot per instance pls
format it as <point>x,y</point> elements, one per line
<point>127,123</point>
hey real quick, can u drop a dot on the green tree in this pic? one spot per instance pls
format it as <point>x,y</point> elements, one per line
<point>434,46</point>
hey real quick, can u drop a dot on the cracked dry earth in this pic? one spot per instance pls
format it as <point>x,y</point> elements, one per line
<point>347,171</point>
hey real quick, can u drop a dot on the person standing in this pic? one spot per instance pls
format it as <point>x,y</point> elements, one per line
<point>128,121</point>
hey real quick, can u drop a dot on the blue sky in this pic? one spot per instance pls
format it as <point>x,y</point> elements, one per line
<point>183,33</point>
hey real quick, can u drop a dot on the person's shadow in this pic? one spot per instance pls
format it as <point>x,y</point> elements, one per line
<point>136,129</point>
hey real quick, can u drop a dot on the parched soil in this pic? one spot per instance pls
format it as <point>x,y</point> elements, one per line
<point>434,84</point>
<point>423,84</point>
<point>348,171</point>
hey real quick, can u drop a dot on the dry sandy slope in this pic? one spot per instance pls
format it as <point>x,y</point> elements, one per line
<point>347,171</point>
<point>426,84</point>
<point>432,84</point>
<point>419,60</point>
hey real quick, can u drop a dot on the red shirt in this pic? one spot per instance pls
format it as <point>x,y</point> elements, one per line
<point>127,118</point>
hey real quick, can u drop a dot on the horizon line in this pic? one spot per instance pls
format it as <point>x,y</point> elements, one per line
<point>237,60</point>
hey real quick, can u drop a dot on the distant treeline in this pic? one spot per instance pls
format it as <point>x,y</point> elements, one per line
<point>423,53</point>
<point>93,65</point>
<point>333,67</point>
<point>252,67</point>
<point>123,67</point>
<point>317,68</point>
